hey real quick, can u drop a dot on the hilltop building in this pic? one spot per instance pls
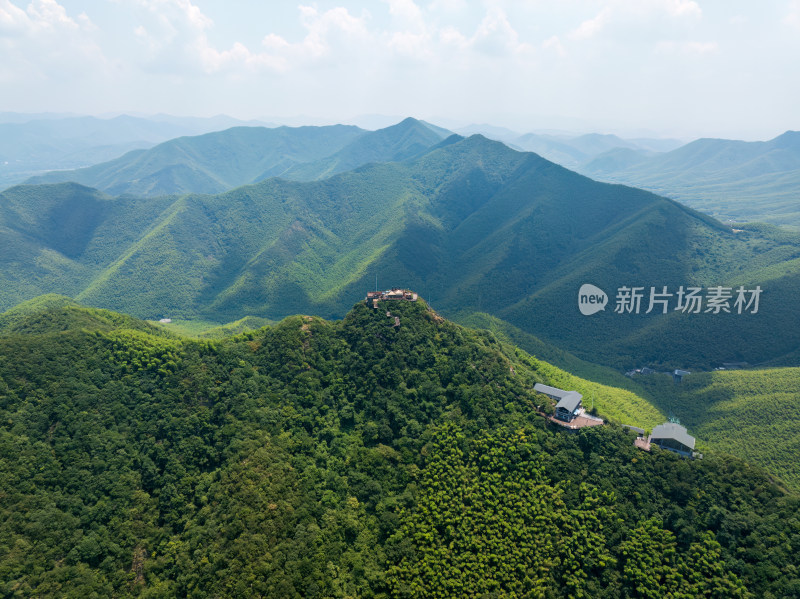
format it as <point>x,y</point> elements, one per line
<point>569,402</point>
<point>673,437</point>
<point>395,294</point>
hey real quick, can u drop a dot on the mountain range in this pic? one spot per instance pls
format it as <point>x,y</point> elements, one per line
<point>224,160</point>
<point>729,179</point>
<point>472,224</point>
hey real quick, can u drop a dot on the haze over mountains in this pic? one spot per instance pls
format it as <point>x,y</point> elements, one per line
<point>470,223</point>
<point>731,180</point>
<point>31,144</point>
<point>221,161</point>
<point>728,179</point>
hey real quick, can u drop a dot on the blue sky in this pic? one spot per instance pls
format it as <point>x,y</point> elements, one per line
<point>671,67</point>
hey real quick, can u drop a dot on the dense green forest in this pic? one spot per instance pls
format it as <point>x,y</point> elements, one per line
<point>342,459</point>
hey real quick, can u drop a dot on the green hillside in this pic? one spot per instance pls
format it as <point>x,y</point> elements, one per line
<point>57,238</point>
<point>349,458</point>
<point>754,414</point>
<point>731,180</point>
<point>56,313</point>
<point>212,330</point>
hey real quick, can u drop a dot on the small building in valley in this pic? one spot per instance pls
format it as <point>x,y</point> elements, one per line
<point>673,437</point>
<point>679,374</point>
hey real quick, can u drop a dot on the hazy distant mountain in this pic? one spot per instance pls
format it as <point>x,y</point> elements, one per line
<point>471,224</point>
<point>554,149</point>
<point>726,178</point>
<point>32,144</point>
<point>491,131</point>
<point>210,163</point>
<point>575,151</point>
<point>24,117</point>
<point>220,161</point>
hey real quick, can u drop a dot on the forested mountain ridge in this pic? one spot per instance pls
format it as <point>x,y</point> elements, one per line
<point>349,458</point>
<point>220,161</point>
<point>407,139</point>
<point>472,224</point>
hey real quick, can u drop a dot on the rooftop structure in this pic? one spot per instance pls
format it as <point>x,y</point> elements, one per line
<point>394,293</point>
<point>569,402</point>
<point>673,437</point>
<point>551,392</point>
<point>679,374</point>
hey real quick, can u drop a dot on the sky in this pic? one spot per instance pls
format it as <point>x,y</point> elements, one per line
<point>680,68</point>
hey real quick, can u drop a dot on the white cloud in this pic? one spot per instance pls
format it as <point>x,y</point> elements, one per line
<point>411,45</point>
<point>554,43</point>
<point>495,34</point>
<point>49,14</point>
<point>42,40</point>
<point>450,36</point>
<point>591,27</point>
<point>13,20</point>
<point>407,11</point>
<point>682,8</point>
<point>630,15</point>
<point>576,57</point>
<point>792,18</point>
<point>686,47</point>
<point>39,16</point>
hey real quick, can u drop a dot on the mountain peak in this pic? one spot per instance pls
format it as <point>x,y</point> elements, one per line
<point>409,121</point>
<point>787,140</point>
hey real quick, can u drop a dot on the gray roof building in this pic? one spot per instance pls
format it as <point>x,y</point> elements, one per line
<point>570,402</point>
<point>553,392</point>
<point>673,436</point>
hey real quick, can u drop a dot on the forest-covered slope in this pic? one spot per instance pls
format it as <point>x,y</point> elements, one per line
<point>350,458</point>
<point>751,413</point>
